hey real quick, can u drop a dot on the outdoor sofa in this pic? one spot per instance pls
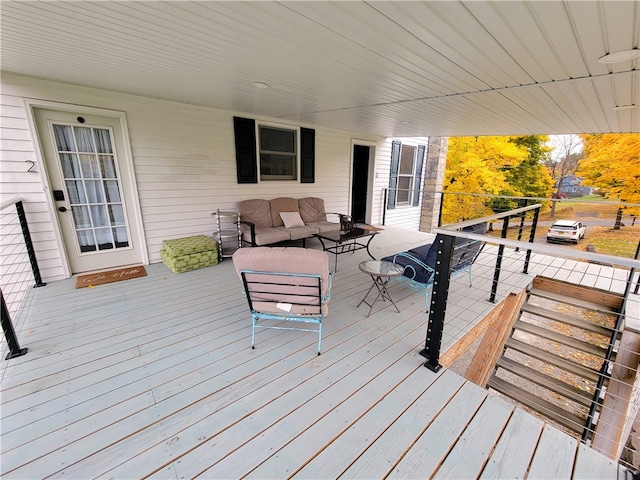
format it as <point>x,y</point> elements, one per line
<point>283,219</point>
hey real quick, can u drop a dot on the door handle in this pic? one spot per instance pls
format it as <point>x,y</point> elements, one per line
<point>62,209</point>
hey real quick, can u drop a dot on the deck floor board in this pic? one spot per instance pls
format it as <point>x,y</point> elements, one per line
<point>155,377</point>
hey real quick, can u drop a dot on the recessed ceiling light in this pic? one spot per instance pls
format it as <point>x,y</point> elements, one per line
<point>625,107</point>
<point>260,85</point>
<point>621,56</point>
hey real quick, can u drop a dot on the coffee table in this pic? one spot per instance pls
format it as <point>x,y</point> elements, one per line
<point>380,272</point>
<point>345,242</point>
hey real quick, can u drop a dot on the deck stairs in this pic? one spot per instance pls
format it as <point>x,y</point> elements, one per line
<point>558,354</point>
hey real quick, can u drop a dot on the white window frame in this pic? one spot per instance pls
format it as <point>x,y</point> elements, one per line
<point>402,190</point>
<point>270,178</point>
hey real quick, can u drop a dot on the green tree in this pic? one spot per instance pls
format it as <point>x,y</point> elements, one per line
<point>477,165</point>
<point>612,163</point>
<point>530,177</point>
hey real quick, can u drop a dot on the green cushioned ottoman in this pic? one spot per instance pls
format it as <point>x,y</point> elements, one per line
<point>189,253</point>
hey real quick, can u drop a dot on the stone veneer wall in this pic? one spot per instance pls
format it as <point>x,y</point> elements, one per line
<point>433,182</point>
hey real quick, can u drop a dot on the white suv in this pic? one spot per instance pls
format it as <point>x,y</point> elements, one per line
<point>566,231</point>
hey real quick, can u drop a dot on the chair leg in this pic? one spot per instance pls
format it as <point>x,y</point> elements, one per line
<point>253,332</point>
<point>319,337</point>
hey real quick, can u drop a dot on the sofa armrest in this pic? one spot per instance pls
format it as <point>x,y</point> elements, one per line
<point>252,226</point>
<point>341,216</point>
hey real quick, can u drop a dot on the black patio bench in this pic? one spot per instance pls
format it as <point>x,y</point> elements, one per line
<point>419,263</point>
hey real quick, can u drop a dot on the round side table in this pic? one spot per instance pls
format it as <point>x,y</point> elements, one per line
<point>380,272</point>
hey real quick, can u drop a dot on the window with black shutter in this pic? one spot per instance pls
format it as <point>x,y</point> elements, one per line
<point>271,152</point>
<point>406,174</point>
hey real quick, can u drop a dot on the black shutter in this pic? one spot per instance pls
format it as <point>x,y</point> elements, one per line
<point>246,157</point>
<point>393,175</point>
<point>307,155</point>
<point>418,178</point>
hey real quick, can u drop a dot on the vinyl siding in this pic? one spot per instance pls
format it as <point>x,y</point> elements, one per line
<point>405,216</point>
<point>184,162</point>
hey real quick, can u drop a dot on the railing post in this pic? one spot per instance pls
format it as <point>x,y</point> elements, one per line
<point>496,273</point>
<point>532,236</point>
<point>440,209</point>
<point>29,244</point>
<point>10,333</point>
<point>384,206</point>
<point>438,305</point>
<point>521,227</point>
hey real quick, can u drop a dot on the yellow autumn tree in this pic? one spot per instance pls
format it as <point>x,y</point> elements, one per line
<point>477,165</point>
<point>612,164</point>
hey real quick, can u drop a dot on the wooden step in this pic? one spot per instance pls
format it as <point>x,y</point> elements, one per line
<point>567,319</point>
<point>568,391</point>
<point>557,297</point>
<point>560,338</point>
<point>552,359</point>
<point>563,417</point>
<point>587,297</point>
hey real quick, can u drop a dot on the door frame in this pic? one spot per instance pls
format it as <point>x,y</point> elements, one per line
<point>134,211</point>
<point>370,177</point>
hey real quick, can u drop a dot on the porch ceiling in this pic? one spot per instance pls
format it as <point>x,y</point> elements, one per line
<point>386,68</point>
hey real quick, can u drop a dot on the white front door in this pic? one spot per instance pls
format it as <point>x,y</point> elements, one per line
<point>91,189</point>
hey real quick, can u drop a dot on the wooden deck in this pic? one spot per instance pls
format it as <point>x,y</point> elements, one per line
<point>154,377</point>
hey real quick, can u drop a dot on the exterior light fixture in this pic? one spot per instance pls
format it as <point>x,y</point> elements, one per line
<point>261,85</point>
<point>620,56</point>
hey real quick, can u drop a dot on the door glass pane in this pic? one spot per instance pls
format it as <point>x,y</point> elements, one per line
<point>120,234</point>
<point>70,165</point>
<point>94,191</point>
<point>103,140</point>
<point>89,164</point>
<point>116,215</point>
<point>64,138</point>
<point>105,240</point>
<point>92,187</point>
<point>108,167</point>
<point>84,139</point>
<point>112,191</point>
<point>81,217</point>
<point>86,241</point>
<point>75,191</point>
<point>99,215</point>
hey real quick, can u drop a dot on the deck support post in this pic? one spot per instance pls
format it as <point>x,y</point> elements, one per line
<point>438,305</point>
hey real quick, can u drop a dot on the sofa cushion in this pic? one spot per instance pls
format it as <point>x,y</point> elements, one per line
<point>302,232</point>
<point>282,204</point>
<point>256,211</point>
<point>312,210</point>
<point>325,227</point>
<point>266,236</point>
<point>291,219</point>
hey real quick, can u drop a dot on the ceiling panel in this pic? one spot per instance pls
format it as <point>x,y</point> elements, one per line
<point>387,68</point>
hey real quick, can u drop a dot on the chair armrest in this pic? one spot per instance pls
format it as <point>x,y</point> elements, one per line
<point>252,226</point>
<point>418,262</point>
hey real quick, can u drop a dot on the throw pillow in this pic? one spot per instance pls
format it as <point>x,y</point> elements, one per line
<point>291,219</point>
